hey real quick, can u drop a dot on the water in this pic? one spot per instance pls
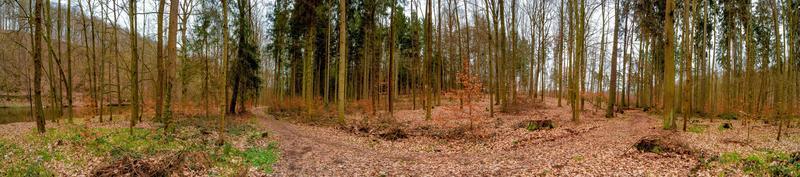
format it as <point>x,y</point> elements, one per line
<point>23,114</point>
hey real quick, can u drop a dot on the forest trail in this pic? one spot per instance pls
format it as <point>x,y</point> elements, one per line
<point>596,146</point>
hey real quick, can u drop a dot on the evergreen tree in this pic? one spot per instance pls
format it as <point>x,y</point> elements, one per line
<point>244,70</point>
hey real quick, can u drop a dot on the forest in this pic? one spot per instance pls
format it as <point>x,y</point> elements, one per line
<point>399,87</point>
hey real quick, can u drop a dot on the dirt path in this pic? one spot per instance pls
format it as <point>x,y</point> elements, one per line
<point>595,147</point>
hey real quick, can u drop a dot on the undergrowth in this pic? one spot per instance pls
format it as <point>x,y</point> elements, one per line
<point>763,163</point>
<point>74,146</point>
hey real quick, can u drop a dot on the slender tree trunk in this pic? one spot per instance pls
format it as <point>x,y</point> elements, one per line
<point>326,75</point>
<point>70,110</point>
<point>427,66</point>
<point>602,53</point>
<point>560,51</point>
<point>134,64</point>
<point>342,58</point>
<point>160,78</point>
<point>687,67</point>
<point>224,71</point>
<point>391,58</point>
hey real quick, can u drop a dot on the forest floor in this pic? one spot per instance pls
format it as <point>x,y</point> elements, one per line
<point>449,145</point>
<point>530,138</point>
<point>112,148</point>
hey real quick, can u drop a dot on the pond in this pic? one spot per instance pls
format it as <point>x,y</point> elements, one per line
<point>23,113</point>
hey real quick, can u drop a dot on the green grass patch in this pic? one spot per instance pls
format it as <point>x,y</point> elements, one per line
<point>262,158</point>
<point>730,157</point>
<point>15,161</point>
<point>230,157</point>
<point>764,163</point>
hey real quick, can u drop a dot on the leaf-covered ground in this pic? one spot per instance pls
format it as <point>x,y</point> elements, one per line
<point>455,143</point>
<point>526,139</point>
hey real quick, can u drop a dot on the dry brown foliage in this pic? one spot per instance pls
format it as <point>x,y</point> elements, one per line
<point>166,165</point>
<point>468,95</point>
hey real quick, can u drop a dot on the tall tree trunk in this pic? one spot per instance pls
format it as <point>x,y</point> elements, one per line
<point>669,68</point>
<point>224,71</point>
<point>602,53</point>
<point>160,78</point>
<point>172,53</point>
<point>134,64</point>
<point>427,66</point>
<point>342,58</point>
<point>560,51</point>
<point>37,67</point>
<point>308,73</point>
<point>687,67</point>
<point>391,57</point>
<point>326,75</point>
<point>70,110</point>
<point>612,87</point>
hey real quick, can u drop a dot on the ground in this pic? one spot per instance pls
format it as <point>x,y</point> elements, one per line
<point>596,146</point>
<point>456,142</point>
